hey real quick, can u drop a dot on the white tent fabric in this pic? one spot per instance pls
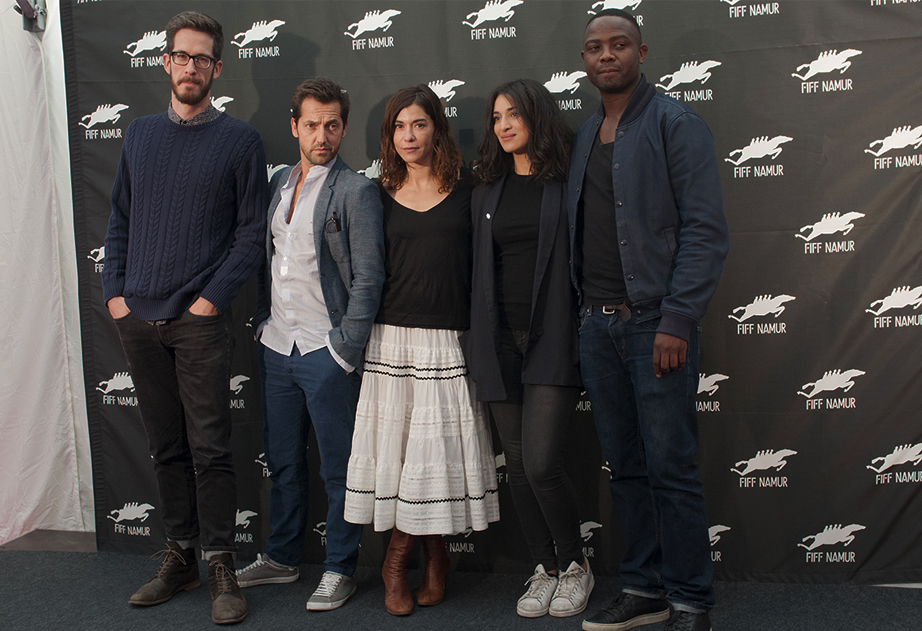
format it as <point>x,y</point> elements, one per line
<point>45,470</point>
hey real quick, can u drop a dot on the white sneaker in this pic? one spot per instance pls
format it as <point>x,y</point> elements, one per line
<point>572,592</point>
<point>536,600</point>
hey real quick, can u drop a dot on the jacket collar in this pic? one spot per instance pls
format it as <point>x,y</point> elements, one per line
<point>640,98</point>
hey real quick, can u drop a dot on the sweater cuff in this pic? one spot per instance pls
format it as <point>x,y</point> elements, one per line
<point>676,325</point>
<point>113,290</point>
<point>221,299</point>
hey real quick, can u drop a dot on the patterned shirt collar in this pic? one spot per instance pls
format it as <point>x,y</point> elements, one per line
<point>205,116</point>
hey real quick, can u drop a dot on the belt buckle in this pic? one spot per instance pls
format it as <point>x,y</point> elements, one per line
<point>623,308</point>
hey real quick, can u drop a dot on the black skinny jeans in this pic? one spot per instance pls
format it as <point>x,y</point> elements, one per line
<point>532,424</point>
<point>181,370</point>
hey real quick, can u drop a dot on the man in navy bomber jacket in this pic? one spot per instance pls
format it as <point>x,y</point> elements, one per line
<point>649,242</point>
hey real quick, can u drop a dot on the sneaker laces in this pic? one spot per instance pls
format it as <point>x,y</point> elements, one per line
<point>569,583</point>
<point>258,563</point>
<point>538,584</point>
<point>619,604</point>
<point>328,584</point>
<point>225,579</point>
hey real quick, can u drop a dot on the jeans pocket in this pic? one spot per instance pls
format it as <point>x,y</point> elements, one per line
<point>205,318</point>
<point>650,325</point>
<point>583,318</point>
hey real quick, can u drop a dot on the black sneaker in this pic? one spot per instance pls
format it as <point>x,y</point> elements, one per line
<point>228,605</point>
<point>688,621</point>
<point>178,571</point>
<point>628,611</point>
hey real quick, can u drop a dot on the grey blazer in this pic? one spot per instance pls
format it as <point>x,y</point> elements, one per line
<point>351,260</point>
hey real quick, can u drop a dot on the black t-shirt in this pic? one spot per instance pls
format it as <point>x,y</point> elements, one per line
<point>427,282</point>
<point>515,249</point>
<point>602,275</point>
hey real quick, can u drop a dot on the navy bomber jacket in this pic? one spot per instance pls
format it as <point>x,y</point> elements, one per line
<point>672,234</point>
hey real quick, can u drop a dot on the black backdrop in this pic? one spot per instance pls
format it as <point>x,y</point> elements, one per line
<point>810,397</point>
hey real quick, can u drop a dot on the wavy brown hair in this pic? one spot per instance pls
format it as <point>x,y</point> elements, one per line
<point>446,160</point>
<point>549,137</point>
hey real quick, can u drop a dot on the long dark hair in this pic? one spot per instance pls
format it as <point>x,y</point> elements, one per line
<point>549,137</point>
<point>447,160</point>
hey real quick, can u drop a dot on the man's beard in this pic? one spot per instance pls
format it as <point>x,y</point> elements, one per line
<point>194,96</point>
<point>318,160</point>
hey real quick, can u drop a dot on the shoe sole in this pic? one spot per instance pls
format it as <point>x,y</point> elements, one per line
<point>329,606</point>
<point>572,612</point>
<point>639,621</point>
<point>233,621</point>
<point>530,614</point>
<point>275,580</point>
<point>183,588</point>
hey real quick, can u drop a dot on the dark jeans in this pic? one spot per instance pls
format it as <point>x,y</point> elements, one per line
<point>532,424</point>
<point>300,392</point>
<point>648,428</point>
<point>181,372</point>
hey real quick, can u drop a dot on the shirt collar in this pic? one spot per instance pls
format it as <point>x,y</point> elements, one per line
<point>317,171</point>
<point>205,116</point>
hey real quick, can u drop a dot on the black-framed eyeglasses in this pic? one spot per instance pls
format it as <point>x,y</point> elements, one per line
<point>202,62</point>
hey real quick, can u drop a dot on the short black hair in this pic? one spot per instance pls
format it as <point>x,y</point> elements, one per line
<point>323,91</point>
<point>617,13</point>
<point>197,22</point>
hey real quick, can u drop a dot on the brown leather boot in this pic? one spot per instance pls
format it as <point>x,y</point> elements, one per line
<point>433,589</point>
<point>397,598</point>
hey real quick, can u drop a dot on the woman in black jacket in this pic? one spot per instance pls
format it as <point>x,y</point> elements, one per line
<point>522,347</point>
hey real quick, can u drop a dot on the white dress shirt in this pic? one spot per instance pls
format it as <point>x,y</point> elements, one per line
<point>299,314</point>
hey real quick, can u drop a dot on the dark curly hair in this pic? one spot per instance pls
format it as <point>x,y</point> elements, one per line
<point>549,137</point>
<point>447,160</point>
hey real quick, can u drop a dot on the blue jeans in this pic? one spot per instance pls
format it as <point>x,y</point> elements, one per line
<point>648,428</point>
<point>300,392</point>
<point>181,371</point>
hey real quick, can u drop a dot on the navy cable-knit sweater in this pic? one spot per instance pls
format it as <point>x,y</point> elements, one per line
<point>188,215</point>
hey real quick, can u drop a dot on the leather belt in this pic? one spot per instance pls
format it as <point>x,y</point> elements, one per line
<point>622,308</point>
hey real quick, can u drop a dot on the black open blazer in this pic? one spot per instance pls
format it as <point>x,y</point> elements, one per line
<point>552,355</point>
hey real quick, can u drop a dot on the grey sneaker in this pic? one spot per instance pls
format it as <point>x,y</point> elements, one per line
<point>535,601</point>
<point>573,589</point>
<point>334,590</point>
<point>263,571</point>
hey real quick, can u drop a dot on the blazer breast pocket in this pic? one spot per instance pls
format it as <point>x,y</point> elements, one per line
<point>339,244</point>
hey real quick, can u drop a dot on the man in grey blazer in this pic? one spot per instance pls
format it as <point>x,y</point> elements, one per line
<point>318,296</point>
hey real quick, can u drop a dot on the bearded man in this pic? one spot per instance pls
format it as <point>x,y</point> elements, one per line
<point>186,230</point>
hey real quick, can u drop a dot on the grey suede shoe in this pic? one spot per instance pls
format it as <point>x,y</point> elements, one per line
<point>178,571</point>
<point>228,606</point>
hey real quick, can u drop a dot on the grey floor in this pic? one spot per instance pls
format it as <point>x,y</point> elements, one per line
<point>42,587</point>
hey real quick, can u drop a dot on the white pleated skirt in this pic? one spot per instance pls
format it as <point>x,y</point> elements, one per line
<point>422,453</point>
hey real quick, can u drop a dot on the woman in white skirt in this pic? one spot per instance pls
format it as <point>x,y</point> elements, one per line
<point>422,458</point>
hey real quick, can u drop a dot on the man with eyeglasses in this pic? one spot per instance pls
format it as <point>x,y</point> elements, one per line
<point>186,230</point>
